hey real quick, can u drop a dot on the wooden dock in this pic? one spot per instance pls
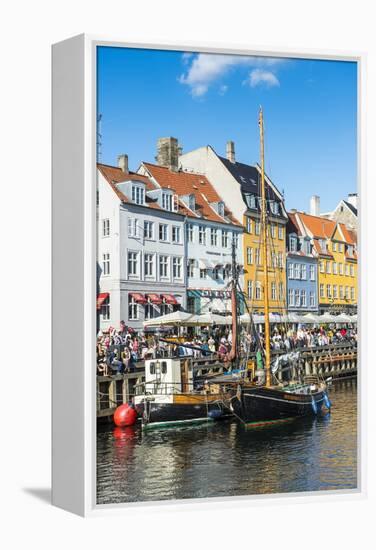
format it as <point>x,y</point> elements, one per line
<point>336,361</point>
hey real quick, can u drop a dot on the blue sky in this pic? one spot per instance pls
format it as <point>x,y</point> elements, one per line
<point>310,110</point>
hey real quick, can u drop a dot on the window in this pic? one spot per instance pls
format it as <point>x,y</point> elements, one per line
<point>249,255</point>
<point>328,267</point>
<point>352,293</point>
<point>322,267</point>
<point>249,225</point>
<point>138,194</point>
<point>335,269</point>
<point>328,291</point>
<point>280,259</point>
<point>274,207</point>
<point>132,263</point>
<point>350,250</point>
<point>335,291</point>
<point>347,292</point>
<point>132,227</point>
<point>201,234</point>
<point>274,259</point>
<point>297,271</point>
<point>274,291</point>
<point>258,291</point>
<point>105,310</point>
<point>293,244</point>
<point>341,294</point>
<point>312,272</point>
<point>340,247</point>
<point>191,267</point>
<point>334,247</point>
<point>257,228</point>
<point>251,201</point>
<point>250,289</point>
<point>291,271</point>
<point>148,230</point>
<point>176,268</point>
<point>221,209</point>
<point>215,273</point>
<point>303,274</point>
<point>175,234</point>
<point>163,267</point>
<point>312,301</point>
<point>150,311</point>
<point>257,256</point>
<point>346,269</point>
<point>281,293</point>
<point>297,298</point>
<point>291,297</point>
<point>166,201</point>
<point>322,295</point>
<point>163,232</point>
<point>105,228</point>
<point>273,230</point>
<point>203,273</point>
<point>190,233</point>
<point>132,308</point>
<point>303,295</point>
<point>106,264</point>
<point>224,238</point>
<point>148,265</point>
<point>307,247</point>
<point>213,237</point>
<point>351,271</point>
<point>280,232</point>
<point>235,238</point>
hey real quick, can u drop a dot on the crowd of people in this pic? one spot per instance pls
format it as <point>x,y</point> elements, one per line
<point>119,351</point>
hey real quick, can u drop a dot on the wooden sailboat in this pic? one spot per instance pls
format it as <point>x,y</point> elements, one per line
<point>268,402</point>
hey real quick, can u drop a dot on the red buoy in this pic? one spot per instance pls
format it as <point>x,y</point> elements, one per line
<point>125,415</point>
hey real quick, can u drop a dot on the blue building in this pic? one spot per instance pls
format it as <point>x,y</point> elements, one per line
<point>301,270</point>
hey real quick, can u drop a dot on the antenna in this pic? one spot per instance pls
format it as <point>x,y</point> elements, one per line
<point>99,137</point>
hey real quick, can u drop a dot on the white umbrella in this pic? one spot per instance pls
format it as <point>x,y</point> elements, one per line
<point>210,319</point>
<point>327,318</point>
<point>175,318</point>
<point>343,318</point>
<point>310,318</point>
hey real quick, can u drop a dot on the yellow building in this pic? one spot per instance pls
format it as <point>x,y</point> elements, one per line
<point>252,243</point>
<point>335,247</point>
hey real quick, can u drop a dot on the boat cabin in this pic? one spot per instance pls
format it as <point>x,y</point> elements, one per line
<point>168,375</point>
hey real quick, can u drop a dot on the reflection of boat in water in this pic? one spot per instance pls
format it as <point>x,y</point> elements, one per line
<point>171,397</point>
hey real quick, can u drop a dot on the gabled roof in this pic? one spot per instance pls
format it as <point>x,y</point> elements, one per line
<point>188,183</point>
<point>114,175</point>
<point>351,207</point>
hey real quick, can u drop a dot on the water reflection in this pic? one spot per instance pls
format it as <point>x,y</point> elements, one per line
<point>223,459</point>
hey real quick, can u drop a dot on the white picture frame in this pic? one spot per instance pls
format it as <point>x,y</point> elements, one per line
<point>74,284</point>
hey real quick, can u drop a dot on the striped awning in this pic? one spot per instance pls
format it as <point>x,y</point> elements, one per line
<point>154,298</point>
<point>139,298</point>
<point>101,298</point>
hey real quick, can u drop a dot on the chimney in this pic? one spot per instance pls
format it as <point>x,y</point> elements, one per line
<point>123,163</point>
<point>168,153</point>
<point>353,199</point>
<point>314,208</point>
<point>230,151</point>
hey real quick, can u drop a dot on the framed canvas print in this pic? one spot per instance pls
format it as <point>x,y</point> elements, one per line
<point>206,258</point>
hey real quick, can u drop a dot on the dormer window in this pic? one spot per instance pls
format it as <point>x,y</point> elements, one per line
<point>350,250</point>
<point>167,201</point>
<point>251,200</point>
<point>192,202</point>
<point>138,194</point>
<point>221,209</point>
<point>293,243</point>
<point>274,207</point>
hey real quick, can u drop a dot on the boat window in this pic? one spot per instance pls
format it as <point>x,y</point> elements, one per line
<point>164,367</point>
<point>152,368</point>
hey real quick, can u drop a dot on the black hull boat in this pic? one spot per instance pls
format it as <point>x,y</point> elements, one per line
<point>263,405</point>
<point>179,411</point>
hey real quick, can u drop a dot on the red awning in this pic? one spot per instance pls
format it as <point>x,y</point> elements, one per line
<point>154,298</point>
<point>169,299</point>
<point>101,298</point>
<point>139,298</point>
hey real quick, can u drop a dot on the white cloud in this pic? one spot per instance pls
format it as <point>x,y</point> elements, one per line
<point>204,69</point>
<point>259,76</point>
<point>223,89</point>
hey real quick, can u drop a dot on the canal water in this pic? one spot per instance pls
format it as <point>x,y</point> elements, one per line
<point>223,459</point>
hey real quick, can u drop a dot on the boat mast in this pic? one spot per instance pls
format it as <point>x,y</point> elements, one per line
<point>265,253</point>
<point>234,305</point>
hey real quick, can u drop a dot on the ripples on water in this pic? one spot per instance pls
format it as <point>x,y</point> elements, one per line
<point>223,459</point>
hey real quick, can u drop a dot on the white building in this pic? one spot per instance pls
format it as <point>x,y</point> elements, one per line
<point>345,212</point>
<point>140,249</point>
<point>210,229</point>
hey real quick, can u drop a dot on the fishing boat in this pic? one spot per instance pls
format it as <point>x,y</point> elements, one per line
<point>266,399</point>
<point>172,396</point>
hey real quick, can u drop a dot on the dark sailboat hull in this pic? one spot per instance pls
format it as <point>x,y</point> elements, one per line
<point>261,404</point>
